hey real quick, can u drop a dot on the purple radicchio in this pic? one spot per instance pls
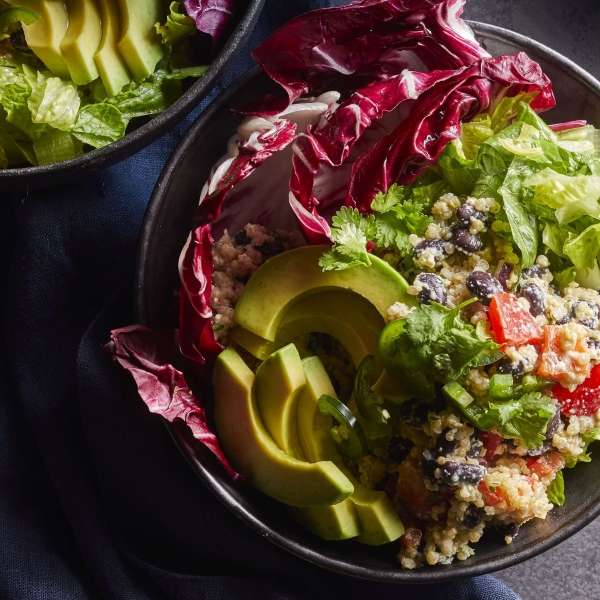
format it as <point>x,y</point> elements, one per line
<point>148,356</point>
<point>213,17</point>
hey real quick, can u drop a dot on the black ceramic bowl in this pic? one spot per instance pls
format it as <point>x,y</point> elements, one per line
<point>29,178</point>
<point>164,232</point>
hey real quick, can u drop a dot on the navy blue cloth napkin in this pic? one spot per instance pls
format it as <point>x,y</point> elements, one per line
<point>95,500</point>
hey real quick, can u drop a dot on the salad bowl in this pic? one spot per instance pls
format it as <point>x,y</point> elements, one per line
<point>165,231</point>
<point>29,178</point>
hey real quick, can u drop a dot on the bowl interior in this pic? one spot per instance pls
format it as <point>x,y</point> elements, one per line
<point>146,131</point>
<point>165,230</point>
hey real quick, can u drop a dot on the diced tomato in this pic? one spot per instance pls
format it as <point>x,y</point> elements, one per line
<point>491,496</point>
<point>511,323</point>
<point>417,499</point>
<point>546,464</point>
<point>584,400</point>
<point>555,363</point>
<point>491,441</point>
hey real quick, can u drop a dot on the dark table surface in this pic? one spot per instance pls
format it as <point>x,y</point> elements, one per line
<point>570,571</point>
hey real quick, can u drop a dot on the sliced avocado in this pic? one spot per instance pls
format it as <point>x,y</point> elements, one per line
<point>255,454</point>
<point>139,44</point>
<point>290,277</point>
<point>337,522</point>
<point>111,65</point>
<point>346,316</point>
<point>379,521</point>
<point>45,35</point>
<point>82,39</point>
<point>279,381</point>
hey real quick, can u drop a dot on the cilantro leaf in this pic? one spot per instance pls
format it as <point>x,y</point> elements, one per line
<point>431,344</point>
<point>384,202</point>
<point>526,418</point>
<point>556,490</point>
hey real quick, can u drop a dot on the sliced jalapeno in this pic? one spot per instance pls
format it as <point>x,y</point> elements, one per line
<point>371,406</point>
<point>348,435</point>
<point>15,14</point>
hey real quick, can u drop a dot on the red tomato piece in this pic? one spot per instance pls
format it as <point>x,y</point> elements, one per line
<point>491,441</point>
<point>491,496</point>
<point>546,464</point>
<point>584,400</point>
<point>555,363</point>
<point>511,323</point>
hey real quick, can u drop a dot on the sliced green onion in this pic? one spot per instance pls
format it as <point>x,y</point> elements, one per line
<point>502,386</point>
<point>348,435</point>
<point>13,15</point>
<point>465,403</point>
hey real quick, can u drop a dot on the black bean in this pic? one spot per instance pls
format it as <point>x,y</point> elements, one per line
<point>427,466</point>
<point>553,424</point>
<point>511,529</point>
<point>483,286</point>
<point>534,271</point>
<point>445,447</point>
<point>465,241</point>
<point>507,367</point>
<point>18,41</point>
<point>432,289</point>
<point>473,516</point>
<point>271,249</point>
<point>504,273</point>
<point>539,450</point>
<point>399,448</point>
<point>556,290</point>
<point>242,239</point>
<point>593,343</point>
<point>437,246</point>
<point>476,445</point>
<point>454,473</point>
<point>465,213</point>
<point>589,322</point>
<point>534,295</point>
<point>414,412</point>
<point>563,320</point>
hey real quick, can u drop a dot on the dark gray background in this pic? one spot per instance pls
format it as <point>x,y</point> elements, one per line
<point>571,571</point>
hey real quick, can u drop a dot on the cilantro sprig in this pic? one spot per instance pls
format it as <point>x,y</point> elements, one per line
<point>431,344</point>
<point>394,219</point>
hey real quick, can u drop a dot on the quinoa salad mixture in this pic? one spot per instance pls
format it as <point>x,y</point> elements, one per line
<point>452,472</point>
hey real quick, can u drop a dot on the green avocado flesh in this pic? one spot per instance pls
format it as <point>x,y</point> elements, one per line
<point>45,35</point>
<point>279,381</point>
<point>379,522</point>
<point>253,452</point>
<point>111,65</point>
<point>346,316</point>
<point>266,301</point>
<point>139,44</point>
<point>82,40</point>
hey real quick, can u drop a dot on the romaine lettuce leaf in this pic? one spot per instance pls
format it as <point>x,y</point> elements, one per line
<point>55,146</point>
<point>583,249</point>
<point>589,436</point>
<point>99,125</point>
<point>556,490</point>
<point>177,26</point>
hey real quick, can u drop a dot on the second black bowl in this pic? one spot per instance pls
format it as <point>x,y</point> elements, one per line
<point>165,230</point>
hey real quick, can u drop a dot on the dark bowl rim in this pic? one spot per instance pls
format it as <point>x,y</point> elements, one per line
<point>422,576</point>
<point>149,132</point>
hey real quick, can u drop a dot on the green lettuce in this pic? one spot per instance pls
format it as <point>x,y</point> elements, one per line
<point>556,490</point>
<point>177,26</point>
<point>591,435</point>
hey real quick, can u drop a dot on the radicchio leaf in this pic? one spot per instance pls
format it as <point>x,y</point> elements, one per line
<point>350,46</point>
<point>196,338</point>
<point>212,16</point>
<point>558,127</point>
<point>435,120</point>
<point>147,355</point>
